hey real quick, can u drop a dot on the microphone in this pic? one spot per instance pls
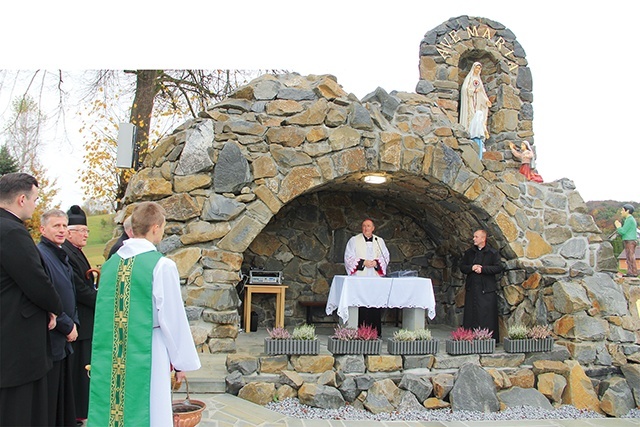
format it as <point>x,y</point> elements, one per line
<point>382,253</point>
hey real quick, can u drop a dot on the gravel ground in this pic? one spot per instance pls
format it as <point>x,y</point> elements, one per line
<point>293,408</point>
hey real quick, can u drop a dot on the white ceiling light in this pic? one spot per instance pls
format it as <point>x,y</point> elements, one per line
<point>375,179</point>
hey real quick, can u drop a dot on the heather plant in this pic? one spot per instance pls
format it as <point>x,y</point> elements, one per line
<point>539,332</point>
<point>462,334</point>
<point>482,334</point>
<point>422,334</point>
<point>517,332</point>
<point>345,334</point>
<point>278,333</point>
<point>304,332</point>
<point>404,335</point>
<point>367,332</point>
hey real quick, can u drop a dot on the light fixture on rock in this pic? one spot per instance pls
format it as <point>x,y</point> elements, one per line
<point>375,179</point>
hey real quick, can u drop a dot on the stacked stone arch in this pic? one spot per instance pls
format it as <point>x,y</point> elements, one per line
<point>272,177</point>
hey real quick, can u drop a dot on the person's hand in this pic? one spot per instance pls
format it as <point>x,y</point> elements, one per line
<point>617,224</point>
<point>370,263</point>
<point>477,268</point>
<point>180,376</point>
<point>73,335</point>
<point>52,321</point>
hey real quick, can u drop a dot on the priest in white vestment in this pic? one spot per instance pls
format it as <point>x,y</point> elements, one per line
<point>367,255</point>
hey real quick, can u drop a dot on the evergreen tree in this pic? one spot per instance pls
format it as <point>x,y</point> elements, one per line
<point>7,163</point>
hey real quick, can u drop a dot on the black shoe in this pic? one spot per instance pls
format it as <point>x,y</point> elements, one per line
<point>629,275</point>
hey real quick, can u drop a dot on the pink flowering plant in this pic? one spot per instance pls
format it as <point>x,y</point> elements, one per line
<point>367,333</point>
<point>278,333</point>
<point>364,332</point>
<point>482,334</point>
<point>462,334</point>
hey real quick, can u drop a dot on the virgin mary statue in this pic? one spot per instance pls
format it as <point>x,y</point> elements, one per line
<point>473,98</point>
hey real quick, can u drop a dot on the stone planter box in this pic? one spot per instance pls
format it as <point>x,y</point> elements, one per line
<point>528,345</point>
<point>412,347</point>
<point>354,346</point>
<point>291,346</point>
<point>470,347</point>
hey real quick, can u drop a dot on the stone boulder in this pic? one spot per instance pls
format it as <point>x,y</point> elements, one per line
<point>552,386</point>
<point>234,383</point>
<point>616,397</point>
<point>631,373</point>
<point>579,391</point>
<point>320,396</point>
<point>349,389</point>
<point>516,396</point>
<point>244,363</point>
<point>420,387</point>
<point>350,363</point>
<point>442,385</point>
<point>474,390</point>
<point>258,392</point>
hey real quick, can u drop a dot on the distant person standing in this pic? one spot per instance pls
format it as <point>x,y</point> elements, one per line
<point>28,309</point>
<point>481,263</point>
<point>83,280</point>
<point>53,227</point>
<point>126,234</point>
<point>628,232</point>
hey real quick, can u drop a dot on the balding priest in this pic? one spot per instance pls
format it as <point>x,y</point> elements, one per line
<point>367,255</point>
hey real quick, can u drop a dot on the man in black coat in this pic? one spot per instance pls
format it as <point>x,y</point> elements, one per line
<point>126,234</point>
<point>86,292</point>
<point>28,308</point>
<point>53,227</point>
<point>481,263</point>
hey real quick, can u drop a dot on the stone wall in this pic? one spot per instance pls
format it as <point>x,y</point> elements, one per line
<point>246,181</point>
<point>388,383</point>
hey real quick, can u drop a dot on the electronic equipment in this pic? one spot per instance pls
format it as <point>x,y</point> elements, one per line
<point>261,277</point>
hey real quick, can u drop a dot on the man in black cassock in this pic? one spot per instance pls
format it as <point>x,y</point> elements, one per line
<point>86,292</point>
<point>481,263</point>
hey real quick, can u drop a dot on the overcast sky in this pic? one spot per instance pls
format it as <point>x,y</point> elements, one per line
<point>581,56</point>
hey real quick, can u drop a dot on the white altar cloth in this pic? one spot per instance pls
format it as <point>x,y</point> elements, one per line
<point>389,292</point>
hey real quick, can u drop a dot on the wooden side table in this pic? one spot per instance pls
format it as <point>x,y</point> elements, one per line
<point>278,290</point>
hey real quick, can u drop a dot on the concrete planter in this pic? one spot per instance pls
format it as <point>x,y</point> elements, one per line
<point>528,345</point>
<point>354,346</point>
<point>412,347</point>
<point>291,346</point>
<point>470,347</point>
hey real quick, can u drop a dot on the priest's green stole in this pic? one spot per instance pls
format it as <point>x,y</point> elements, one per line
<point>121,351</point>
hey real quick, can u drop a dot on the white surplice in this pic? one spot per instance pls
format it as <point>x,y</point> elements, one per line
<point>172,342</point>
<point>357,249</point>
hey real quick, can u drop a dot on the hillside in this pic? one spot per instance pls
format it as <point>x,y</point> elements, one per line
<point>605,212</point>
<point>101,227</point>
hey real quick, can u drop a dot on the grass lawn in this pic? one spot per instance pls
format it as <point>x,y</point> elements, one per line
<point>101,227</point>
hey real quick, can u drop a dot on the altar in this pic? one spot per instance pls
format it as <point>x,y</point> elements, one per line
<point>413,295</point>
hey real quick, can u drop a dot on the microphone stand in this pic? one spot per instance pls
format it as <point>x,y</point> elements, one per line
<point>382,253</point>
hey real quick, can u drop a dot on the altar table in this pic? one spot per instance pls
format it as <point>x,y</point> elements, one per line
<point>413,294</point>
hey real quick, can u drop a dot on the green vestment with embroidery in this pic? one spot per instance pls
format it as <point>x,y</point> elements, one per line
<point>121,351</point>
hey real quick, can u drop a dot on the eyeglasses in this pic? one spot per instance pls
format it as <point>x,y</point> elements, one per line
<point>80,230</point>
